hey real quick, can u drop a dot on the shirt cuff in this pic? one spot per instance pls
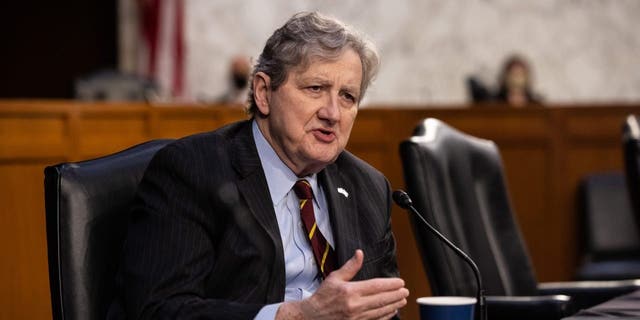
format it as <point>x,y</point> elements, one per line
<point>268,312</point>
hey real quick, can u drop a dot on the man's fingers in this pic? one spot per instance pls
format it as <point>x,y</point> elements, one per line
<point>378,305</point>
<point>383,299</point>
<point>385,311</point>
<point>377,285</point>
<point>350,268</point>
<point>389,315</point>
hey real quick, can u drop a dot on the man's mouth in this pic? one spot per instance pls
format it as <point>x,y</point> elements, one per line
<point>324,135</point>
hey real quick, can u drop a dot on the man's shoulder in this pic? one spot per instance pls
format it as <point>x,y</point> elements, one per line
<point>350,165</point>
<point>217,137</point>
<point>207,147</point>
<point>370,186</point>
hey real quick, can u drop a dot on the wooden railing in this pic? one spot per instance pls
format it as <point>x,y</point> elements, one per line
<point>545,152</point>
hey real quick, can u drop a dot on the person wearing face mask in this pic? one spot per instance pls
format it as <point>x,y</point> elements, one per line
<point>515,84</point>
<point>238,81</point>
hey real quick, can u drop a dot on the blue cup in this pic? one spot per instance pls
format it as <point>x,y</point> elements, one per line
<point>446,308</point>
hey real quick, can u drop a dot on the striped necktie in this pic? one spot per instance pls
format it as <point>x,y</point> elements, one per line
<point>322,251</point>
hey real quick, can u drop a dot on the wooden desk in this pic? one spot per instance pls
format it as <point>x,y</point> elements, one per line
<point>545,152</point>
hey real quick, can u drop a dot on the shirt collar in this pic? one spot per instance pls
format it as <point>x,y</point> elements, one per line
<point>280,179</point>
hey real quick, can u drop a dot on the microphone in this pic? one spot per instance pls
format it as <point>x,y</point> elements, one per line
<point>403,200</point>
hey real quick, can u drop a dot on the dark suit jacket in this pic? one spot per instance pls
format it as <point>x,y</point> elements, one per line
<point>203,240</point>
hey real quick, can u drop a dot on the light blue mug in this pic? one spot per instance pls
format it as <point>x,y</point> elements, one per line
<point>446,308</point>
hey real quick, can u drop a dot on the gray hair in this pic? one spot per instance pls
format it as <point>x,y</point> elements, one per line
<point>310,35</point>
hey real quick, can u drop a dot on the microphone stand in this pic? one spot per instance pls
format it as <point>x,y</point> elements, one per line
<point>405,202</point>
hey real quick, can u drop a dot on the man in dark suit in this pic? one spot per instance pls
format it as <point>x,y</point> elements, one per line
<point>270,217</point>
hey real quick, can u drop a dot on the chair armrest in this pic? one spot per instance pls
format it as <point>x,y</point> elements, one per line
<point>550,307</point>
<point>585,294</point>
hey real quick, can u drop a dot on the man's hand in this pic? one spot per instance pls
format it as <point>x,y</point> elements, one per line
<point>338,298</point>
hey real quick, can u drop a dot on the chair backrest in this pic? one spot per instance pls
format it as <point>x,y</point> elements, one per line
<point>86,212</point>
<point>631,151</point>
<point>109,85</point>
<point>456,181</point>
<point>609,226</point>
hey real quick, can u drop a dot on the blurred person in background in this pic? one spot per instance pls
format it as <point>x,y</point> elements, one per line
<point>238,78</point>
<point>514,87</point>
<point>515,84</point>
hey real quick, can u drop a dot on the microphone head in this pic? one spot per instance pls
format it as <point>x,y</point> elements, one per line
<point>402,199</point>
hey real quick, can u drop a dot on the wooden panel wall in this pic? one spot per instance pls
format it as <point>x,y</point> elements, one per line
<point>545,152</point>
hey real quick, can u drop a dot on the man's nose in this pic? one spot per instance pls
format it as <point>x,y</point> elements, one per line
<point>331,109</point>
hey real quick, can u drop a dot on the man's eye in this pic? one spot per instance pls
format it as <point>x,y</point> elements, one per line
<point>349,97</point>
<point>314,88</point>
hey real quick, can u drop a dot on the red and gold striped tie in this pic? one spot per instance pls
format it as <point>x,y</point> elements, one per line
<point>322,251</point>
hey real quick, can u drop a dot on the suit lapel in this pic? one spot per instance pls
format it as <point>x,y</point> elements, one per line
<point>253,188</point>
<point>341,198</point>
<point>252,182</point>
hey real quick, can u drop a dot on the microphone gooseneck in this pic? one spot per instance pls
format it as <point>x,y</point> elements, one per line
<point>402,199</point>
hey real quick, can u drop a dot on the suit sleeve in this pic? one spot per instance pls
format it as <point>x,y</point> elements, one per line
<point>170,251</point>
<point>378,241</point>
<point>389,263</point>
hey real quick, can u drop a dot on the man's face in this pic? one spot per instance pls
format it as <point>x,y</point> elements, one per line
<point>309,117</point>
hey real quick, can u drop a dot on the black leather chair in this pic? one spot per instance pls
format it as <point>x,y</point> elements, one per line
<point>631,151</point>
<point>86,212</point>
<point>111,85</point>
<point>610,239</point>
<point>457,183</point>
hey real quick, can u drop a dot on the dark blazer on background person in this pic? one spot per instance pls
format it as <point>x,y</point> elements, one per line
<point>203,240</point>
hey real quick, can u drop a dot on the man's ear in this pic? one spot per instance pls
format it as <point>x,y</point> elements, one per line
<point>261,91</point>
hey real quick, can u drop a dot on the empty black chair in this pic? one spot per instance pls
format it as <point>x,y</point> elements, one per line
<point>86,211</point>
<point>457,182</point>
<point>110,85</point>
<point>631,151</point>
<point>610,236</point>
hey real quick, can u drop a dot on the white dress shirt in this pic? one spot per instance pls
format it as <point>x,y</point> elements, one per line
<point>300,267</point>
